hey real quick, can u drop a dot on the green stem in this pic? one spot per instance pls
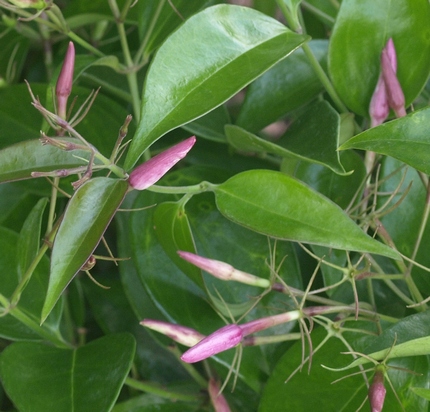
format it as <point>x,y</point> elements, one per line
<point>84,44</point>
<point>130,66</point>
<point>154,389</point>
<point>189,367</point>
<point>138,59</point>
<point>26,320</point>
<point>175,190</point>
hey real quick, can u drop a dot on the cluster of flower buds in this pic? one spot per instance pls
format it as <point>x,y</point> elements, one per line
<point>388,92</point>
<point>155,168</point>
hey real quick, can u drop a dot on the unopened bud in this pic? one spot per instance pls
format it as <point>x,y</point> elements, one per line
<point>377,391</point>
<point>221,340</point>
<point>395,96</point>
<point>155,168</point>
<point>218,401</point>
<point>181,334</point>
<point>379,109</point>
<point>268,322</point>
<point>223,270</point>
<point>65,81</point>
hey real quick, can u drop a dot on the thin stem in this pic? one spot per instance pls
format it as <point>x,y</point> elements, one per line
<point>130,71</point>
<point>52,204</point>
<point>158,390</point>
<point>138,56</point>
<point>175,190</point>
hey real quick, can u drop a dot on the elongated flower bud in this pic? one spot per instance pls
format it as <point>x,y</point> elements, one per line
<point>395,96</point>
<point>65,81</point>
<point>379,109</point>
<point>223,270</point>
<point>377,391</point>
<point>218,401</point>
<point>155,168</point>
<point>181,334</point>
<point>224,338</point>
<point>268,322</point>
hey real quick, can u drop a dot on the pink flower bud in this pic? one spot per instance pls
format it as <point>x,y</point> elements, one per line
<point>65,81</point>
<point>181,334</point>
<point>223,270</point>
<point>225,338</point>
<point>379,109</point>
<point>268,322</point>
<point>155,168</point>
<point>377,391</point>
<point>395,96</point>
<point>218,401</point>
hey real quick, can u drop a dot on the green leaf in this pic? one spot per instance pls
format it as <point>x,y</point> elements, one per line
<point>173,232</point>
<point>20,160</point>
<point>404,222</point>
<point>154,27</point>
<point>235,45</point>
<point>340,189</point>
<point>406,139</point>
<point>22,321</point>
<point>286,86</point>
<point>309,391</point>
<point>361,31</point>
<point>86,218</point>
<point>89,378</point>
<point>29,237</point>
<point>282,207</point>
<point>313,138</point>
<point>211,125</point>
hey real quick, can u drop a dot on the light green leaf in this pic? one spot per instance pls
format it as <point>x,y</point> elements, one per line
<point>362,30</point>
<point>191,75</point>
<point>406,139</point>
<point>86,218</point>
<point>280,206</point>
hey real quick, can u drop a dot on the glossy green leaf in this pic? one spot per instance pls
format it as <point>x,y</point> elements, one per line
<point>362,29</point>
<point>286,86</point>
<point>282,207</point>
<point>86,218</point>
<point>156,24</point>
<point>338,188</point>
<point>313,137</point>
<point>173,232</point>
<point>205,72</point>
<point>22,322</point>
<point>29,237</point>
<point>20,160</point>
<point>404,222</point>
<point>406,139</point>
<point>88,378</point>
<point>211,125</point>
<point>309,391</point>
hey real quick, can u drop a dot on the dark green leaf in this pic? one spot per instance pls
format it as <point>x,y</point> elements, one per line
<point>86,218</point>
<point>22,322</point>
<point>362,29</point>
<point>85,379</point>
<point>29,237</point>
<point>281,206</point>
<point>313,137</point>
<point>406,139</point>
<point>173,232</point>
<point>235,45</point>
<point>288,85</point>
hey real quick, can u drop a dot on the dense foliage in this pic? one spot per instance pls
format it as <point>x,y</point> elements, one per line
<point>300,211</point>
